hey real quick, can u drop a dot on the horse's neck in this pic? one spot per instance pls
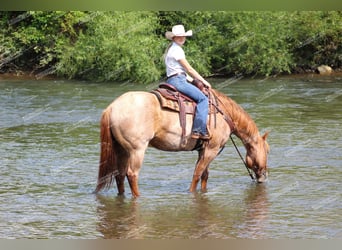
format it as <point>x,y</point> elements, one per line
<point>246,138</point>
<point>245,127</point>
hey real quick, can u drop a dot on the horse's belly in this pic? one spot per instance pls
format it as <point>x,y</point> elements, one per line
<point>168,134</point>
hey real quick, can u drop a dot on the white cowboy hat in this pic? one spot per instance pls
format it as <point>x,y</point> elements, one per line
<point>177,30</point>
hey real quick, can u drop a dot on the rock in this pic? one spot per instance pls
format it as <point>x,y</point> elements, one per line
<point>324,70</point>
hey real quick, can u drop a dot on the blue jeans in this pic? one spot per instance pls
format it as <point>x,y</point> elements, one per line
<point>200,119</point>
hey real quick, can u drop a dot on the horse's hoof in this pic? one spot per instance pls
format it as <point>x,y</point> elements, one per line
<point>262,178</point>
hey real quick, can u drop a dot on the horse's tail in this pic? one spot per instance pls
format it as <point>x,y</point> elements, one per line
<point>107,165</point>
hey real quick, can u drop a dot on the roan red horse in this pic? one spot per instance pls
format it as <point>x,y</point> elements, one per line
<point>136,120</point>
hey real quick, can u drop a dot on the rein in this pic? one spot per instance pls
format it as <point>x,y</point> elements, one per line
<point>248,170</point>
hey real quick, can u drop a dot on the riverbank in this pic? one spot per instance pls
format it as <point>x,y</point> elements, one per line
<point>27,76</point>
<point>30,76</point>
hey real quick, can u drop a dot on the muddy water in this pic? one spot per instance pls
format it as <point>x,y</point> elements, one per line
<point>49,147</point>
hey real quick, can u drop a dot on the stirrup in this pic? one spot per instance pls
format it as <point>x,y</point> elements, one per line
<point>197,135</point>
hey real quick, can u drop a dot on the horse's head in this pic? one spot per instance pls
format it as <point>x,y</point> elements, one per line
<point>256,157</point>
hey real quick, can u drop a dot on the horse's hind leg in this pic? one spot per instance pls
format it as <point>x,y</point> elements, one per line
<point>133,183</point>
<point>120,183</point>
<point>135,162</point>
<point>122,166</point>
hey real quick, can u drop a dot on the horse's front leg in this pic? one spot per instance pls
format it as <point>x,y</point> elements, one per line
<point>201,169</point>
<point>193,186</point>
<point>204,179</point>
<point>201,166</point>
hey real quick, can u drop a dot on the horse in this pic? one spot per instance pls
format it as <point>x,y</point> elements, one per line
<point>135,120</point>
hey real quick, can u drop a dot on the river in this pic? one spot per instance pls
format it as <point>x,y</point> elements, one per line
<point>49,135</point>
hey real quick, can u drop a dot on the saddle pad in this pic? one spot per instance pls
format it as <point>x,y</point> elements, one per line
<point>172,104</point>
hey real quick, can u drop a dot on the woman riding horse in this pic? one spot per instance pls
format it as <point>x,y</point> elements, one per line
<point>176,68</point>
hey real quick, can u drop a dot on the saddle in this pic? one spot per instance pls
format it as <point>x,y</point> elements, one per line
<point>171,99</point>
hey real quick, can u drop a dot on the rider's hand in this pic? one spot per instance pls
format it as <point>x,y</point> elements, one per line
<point>207,84</point>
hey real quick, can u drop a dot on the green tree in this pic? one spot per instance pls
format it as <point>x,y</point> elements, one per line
<point>33,39</point>
<point>252,43</point>
<point>317,38</point>
<point>116,46</point>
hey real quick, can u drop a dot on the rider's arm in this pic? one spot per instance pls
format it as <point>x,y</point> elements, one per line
<point>192,72</point>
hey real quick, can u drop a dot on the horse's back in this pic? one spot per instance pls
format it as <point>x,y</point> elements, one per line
<point>134,97</point>
<point>131,102</point>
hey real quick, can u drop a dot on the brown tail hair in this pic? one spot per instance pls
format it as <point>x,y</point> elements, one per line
<point>107,165</point>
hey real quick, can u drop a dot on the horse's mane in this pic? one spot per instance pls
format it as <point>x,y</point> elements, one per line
<point>242,120</point>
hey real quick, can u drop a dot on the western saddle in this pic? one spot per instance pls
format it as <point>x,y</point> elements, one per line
<point>171,99</point>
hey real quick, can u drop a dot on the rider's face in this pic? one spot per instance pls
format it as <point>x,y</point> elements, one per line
<point>179,39</point>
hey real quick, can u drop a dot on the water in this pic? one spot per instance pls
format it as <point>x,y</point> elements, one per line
<point>49,134</point>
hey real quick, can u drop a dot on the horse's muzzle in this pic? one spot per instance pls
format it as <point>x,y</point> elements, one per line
<point>262,178</point>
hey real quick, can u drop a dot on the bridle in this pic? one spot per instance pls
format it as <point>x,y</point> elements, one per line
<point>244,162</point>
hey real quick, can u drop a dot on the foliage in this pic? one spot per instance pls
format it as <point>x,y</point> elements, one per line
<point>252,43</point>
<point>128,46</point>
<point>117,46</point>
<point>318,38</point>
<point>36,37</point>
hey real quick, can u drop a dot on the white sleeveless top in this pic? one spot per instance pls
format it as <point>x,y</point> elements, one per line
<point>174,53</point>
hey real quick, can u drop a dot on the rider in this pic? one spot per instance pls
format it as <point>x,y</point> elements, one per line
<point>177,68</point>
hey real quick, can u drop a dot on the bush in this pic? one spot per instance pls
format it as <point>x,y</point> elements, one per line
<point>253,43</point>
<point>34,39</point>
<point>317,39</point>
<point>116,46</point>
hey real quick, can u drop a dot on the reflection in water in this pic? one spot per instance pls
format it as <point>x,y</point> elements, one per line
<point>197,216</point>
<point>212,217</point>
<point>118,217</point>
<point>257,209</point>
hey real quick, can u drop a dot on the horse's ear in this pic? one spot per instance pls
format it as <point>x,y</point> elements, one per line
<point>265,135</point>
